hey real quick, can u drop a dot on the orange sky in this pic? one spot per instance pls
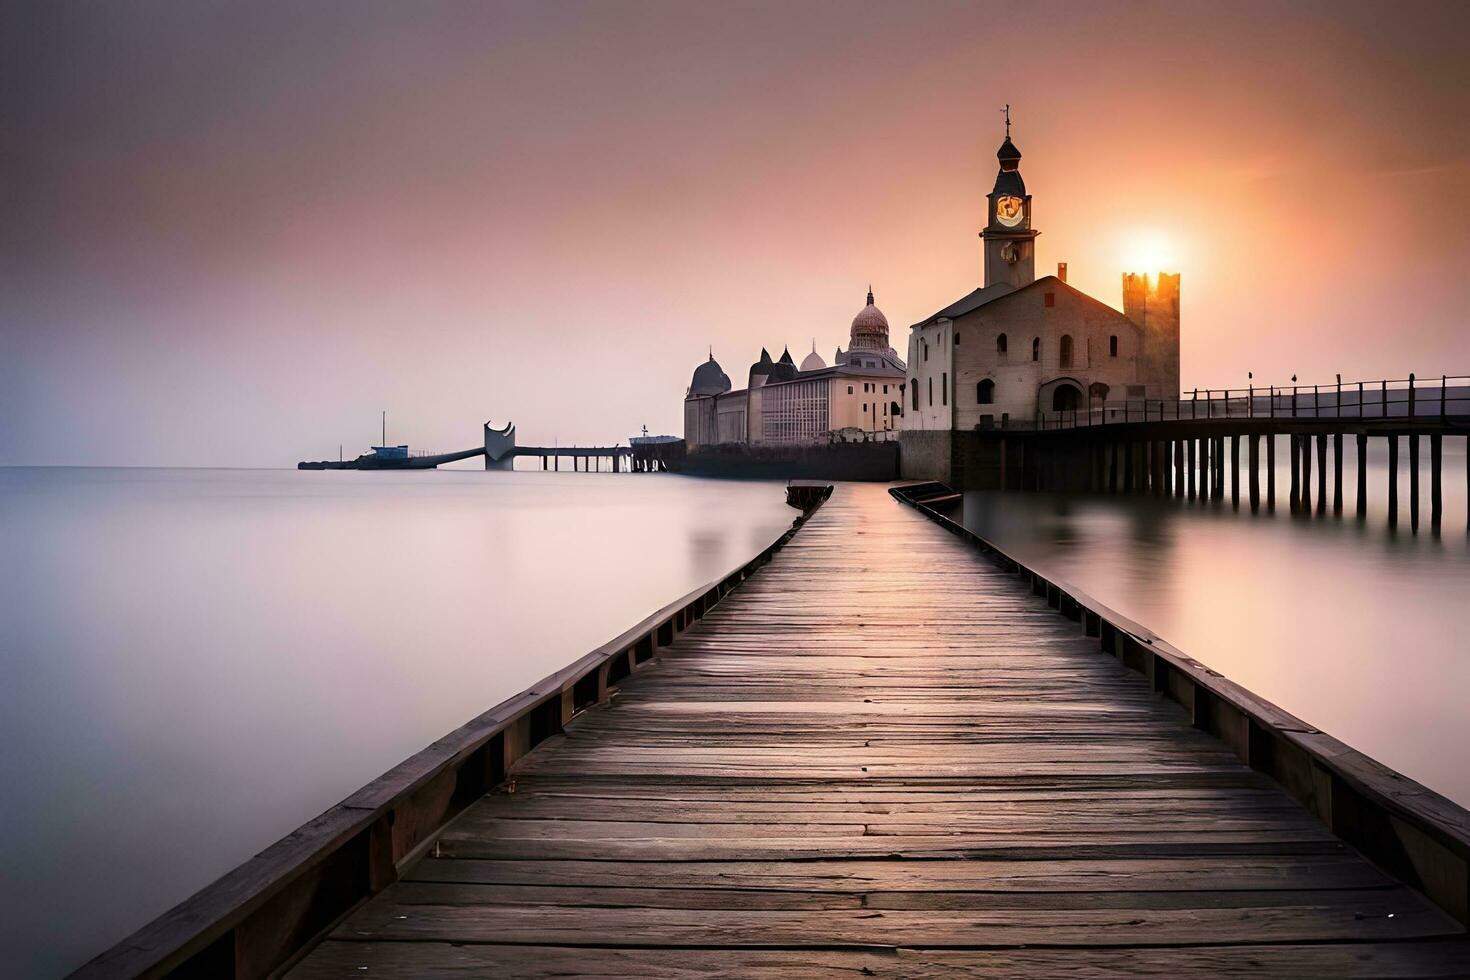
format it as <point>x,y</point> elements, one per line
<point>238,231</point>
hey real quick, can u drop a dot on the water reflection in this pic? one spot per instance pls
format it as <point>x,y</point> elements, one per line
<point>1351,625</point>
<point>197,661</point>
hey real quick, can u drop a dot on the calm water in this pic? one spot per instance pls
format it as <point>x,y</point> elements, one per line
<point>195,662</point>
<point>1353,628</point>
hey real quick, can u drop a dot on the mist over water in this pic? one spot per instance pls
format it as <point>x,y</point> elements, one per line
<point>1356,628</point>
<point>196,662</point>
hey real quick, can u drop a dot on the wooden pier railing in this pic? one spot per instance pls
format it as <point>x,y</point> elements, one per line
<point>256,919</point>
<point>1408,830</point>
<point>1411,398</point>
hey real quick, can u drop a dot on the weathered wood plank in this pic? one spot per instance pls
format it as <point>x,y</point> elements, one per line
<point>883,757</point>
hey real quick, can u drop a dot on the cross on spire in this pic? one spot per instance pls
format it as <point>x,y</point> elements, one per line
<point>1007,111</point>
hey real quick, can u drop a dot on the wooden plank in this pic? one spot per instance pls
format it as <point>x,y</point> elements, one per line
<point>843,768</point>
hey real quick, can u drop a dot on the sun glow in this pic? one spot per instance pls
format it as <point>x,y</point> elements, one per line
<point>1149,251</point>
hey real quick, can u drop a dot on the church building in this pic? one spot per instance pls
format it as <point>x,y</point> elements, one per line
<point>1018,351</point>
<point>858,398</point>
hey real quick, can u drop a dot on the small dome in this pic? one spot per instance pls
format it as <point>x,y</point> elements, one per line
<point>764,365</point>
<point>813,361</point>
<point>869,328</point>
<point>786,357</point>
<point>709,379</point>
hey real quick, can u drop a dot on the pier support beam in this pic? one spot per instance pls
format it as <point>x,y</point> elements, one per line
<point>1436,500</point>
<point>1253,460</point>
<point>1179,467</point>
<point>1235,471</point>
<point>1189,464</point>
<point>1270,471</point>
<point>1393,481</point>
<point>1414,483</point>
<point>1362,474</point>
<point>1337,472</point>
<point>1296,472</point>
<point>1321,473</point>
<point>1306,472</point>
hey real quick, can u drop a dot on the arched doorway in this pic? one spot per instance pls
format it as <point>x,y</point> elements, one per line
<point>1066,398</point>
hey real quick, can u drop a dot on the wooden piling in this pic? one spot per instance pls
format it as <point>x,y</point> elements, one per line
<point>1436,502</point>
<point>1179,467</point>
<point>1337,472</point>
<point>1362,474</point>
<point>1189,464</point>
<point>1321,472</point>
<point>1253,459</point>
<point>1235,471</point>
<point>1271,470</point>
<point>1414,483</point>
<point>1393,481</point>
<point>1296,475</point>
<point>1306,472</point>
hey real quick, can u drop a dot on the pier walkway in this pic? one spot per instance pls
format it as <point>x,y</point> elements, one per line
<point>882,756</point>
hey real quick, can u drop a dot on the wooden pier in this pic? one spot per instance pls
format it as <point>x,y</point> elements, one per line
<point>877,755</point>
<point>883,757</point>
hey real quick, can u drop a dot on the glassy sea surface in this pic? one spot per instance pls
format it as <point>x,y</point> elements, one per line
<point>1354,627</point>
<point>196,662</point>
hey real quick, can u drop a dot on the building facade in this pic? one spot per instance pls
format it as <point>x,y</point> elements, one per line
<point>1018,351</point>
<point>857,398</point>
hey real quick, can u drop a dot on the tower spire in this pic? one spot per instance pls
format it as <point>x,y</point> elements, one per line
<point>870,294</point>
<point>1007,111</point>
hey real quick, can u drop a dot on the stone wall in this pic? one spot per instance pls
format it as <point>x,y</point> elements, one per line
<point>841,461</point>
<point>926,454</point>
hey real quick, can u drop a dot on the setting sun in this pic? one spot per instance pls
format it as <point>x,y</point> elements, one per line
<point>1148,250</point>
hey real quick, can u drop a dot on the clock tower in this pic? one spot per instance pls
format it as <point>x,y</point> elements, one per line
<point>1010,242</point>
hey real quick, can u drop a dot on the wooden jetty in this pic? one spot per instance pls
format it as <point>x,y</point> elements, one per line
<point>878,756</point>
<point>1191,447</point>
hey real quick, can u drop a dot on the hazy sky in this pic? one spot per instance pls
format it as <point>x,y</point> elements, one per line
<point>232,233</point>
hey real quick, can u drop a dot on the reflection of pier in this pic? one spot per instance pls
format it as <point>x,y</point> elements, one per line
<point>644,455</point>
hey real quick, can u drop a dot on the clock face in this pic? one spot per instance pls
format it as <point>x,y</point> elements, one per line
<point>1009,210</point>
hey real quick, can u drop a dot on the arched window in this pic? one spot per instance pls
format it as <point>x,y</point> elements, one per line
<point>1113,346</point>
<point>1098,390</point>
<point>985,392</point>
<point>1000,344</point>
<point>1036,349</point>
<point>1066,352</point>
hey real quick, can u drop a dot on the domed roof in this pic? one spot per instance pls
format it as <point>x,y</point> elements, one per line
<point>813,361</point>
<point>709,378</point>
<point>764,365</point>
<point>869,328</point>
<point>786,357</point>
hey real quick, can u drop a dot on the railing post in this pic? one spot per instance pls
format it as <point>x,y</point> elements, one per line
<point>1339,396</point>
<point>1443,383</point>
<point>1293,401</point>
<point>1360,399</point>
<point>1383,400</point>
<point>1273,401</point>
<point>1316,408</point>
<point>1194,405</point>
<point>1227,403</point>
<point>1411,394</point>
<point>1250,401</point>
